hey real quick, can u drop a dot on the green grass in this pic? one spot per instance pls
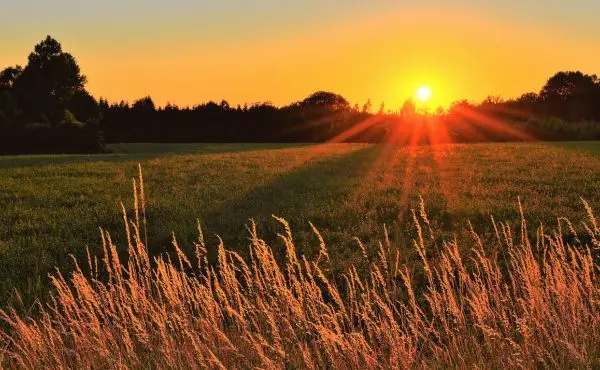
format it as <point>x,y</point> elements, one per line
<point>52,206</point>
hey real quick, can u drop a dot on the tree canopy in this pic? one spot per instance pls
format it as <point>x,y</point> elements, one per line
<point>329,100</point>
<point>565,85</point>
<point>49,92</point>
<point>47,84</point>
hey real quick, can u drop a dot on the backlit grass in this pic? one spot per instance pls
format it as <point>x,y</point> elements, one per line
<point>50,206</point>
<point>512,302</point>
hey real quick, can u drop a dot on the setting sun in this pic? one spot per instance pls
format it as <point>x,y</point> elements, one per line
<point>424,93</point>
<point>445,151</point>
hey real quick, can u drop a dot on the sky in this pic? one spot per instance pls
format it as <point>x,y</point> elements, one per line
<point>188,51</point>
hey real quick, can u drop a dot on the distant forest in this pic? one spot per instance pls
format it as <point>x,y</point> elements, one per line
<point>45,108</point>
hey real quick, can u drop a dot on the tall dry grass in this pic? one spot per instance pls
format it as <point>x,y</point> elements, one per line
<point>514,303</point>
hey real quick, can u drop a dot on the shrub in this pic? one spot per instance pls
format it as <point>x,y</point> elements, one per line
<point>72,137</point>
<point>71,120</point>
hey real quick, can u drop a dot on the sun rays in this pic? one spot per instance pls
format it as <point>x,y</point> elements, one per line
<point>403,139</point>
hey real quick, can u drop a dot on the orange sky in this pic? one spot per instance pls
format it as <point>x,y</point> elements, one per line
<point>383,53</point>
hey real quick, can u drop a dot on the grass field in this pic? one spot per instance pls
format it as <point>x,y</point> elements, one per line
<point>426,291</point>
<point>52,206</point>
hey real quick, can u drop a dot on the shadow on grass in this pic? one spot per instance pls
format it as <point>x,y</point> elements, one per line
<point>136,152</point>
<point>291,194</point>
<point>301,195</point>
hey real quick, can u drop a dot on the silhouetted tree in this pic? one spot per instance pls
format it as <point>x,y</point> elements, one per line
<point>8,105</point>
<point>44,107</point>
<point>9,110</point>
<point>367,107</point>
<point>225,105</point>
<point>48,82</point>
<point>571,96</point>
<point>409,109</point>
<point>323,99</point>
<point>8,76</point>
<point>85,107</point>
<point>565,85</point>
<point>529,99</point>
<point>492,101</point>
<point>144,105</point>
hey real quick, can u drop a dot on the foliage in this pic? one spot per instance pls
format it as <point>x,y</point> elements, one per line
<point>49,89</point>
<point>48,82</point>
<point>326,100</point>
<point>324,116</point>
<point>52,83</point>
<point>41,138</point>
<point>572,96</point>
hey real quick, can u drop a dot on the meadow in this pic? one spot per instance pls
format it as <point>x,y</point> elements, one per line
<point>53,206</point>
<point>382,257</point>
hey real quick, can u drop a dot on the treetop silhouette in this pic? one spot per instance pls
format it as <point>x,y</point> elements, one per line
<point>44,106</point>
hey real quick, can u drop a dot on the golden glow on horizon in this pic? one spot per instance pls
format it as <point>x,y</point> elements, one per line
<point>375,56</point>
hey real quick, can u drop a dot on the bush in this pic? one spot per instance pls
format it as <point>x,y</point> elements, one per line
<point>36,138</point>
<point>71,120</point>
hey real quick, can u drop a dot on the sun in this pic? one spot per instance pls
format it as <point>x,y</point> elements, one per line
<point>424,93</point>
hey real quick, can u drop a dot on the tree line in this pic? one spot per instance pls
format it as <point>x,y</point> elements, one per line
<point>44,107</point>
